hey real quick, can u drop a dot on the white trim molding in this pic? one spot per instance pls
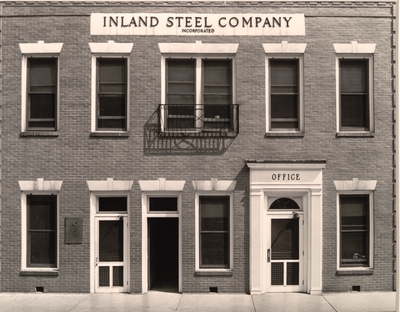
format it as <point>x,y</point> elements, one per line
<point>111,47</point>
<point>161,185</point>
<point>354,47</point>
<point>214,185</point>
<point>285,47</point>
<point>109,185</point>
<point>40,48</point>
<point>355,185</point>
<point>40,185</point>
<point>198,48</point>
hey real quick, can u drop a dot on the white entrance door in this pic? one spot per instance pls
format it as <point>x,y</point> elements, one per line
<point>285,253</point>
<point>111,257</point>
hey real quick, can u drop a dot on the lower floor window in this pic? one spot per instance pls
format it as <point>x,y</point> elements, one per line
<point>42,231</point>
<point>355,230</point>
<point>214,231</point>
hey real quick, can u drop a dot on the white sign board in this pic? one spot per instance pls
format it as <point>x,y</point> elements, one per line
<point>174,24</point>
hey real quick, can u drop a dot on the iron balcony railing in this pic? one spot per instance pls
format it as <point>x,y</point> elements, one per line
<point>199,120</point>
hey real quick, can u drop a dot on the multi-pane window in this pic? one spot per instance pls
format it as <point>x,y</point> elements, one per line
<point>355,106</point>
<point>41,231</point>
<point>199,94</point>
<point>42,94</point>
<point>112,106</point>
<point>284,94</point>
<point>355,230</point>
<point>214,232</point>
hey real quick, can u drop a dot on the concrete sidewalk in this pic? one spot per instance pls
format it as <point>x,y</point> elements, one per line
<point>162,301</point>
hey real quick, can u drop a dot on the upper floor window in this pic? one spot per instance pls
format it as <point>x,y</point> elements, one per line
<point>284,94</point>
<point>110,86</point>
<point>40,86</point>
<point>111,108</point>
<point>355,109</point>
<point>42,94</point>
<point>284,85</point>
<point>198,89</point>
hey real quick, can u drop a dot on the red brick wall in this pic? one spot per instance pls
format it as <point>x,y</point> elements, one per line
<point>75,157</point>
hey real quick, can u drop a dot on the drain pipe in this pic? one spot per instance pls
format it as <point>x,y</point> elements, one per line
<point>397,155</point>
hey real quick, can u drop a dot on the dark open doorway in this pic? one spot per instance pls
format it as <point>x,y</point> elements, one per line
<point>163,254</point>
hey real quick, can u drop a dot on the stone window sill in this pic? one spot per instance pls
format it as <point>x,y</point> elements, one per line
<point>355,135</point>
<point>39,273</point>
<point>109,134</point>
<point>40,134</point>
<point>285,134</point>
<point>214,273</point>
<point>354,272</point>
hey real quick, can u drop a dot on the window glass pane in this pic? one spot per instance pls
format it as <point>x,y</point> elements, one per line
<point>43,248</point>
<point>42,71</point>
<point>354,111</point>
<point>163,204</point>
<point>284,73</point>
<point>354,76</point>
<point>217,99</point>
<point>112,70</point>
<point>41,124</point>
<point>42,212</point>
<point>113,204</point>
<point>112,88</point>
<point>354,248</point>
<point>180,88</point>
<point>117,124</point>
<point>284,124</point>
<point>181,70</point>
<point>217,81</point>
<point>217,72</point>
<point>285,239</point>
<point>215,249</point>
<point>42,106</point>
<point>217,111</point>
<point>354,210</point>
<point>112,105</point>
<point>111,240</point>
<point>284,106</point>
<point>214,213</point>
<point>181,81</point>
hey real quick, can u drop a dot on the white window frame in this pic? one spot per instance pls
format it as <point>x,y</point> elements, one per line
<point>24,241</point>
<point>284,51</point>
<point>38,187</point>
<point>38,50</point>
<point>371,230</point>
<point>197,229</point>
<point>110,50</point>
<point>355,50</point>
<point>197,51</point>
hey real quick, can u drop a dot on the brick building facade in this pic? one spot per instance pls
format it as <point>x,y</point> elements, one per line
<point>197,146</point>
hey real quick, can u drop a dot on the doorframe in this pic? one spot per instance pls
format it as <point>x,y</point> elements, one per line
<point>146,214</point>
<point>286,177</point>
<point>303,236</point>
<point>93,218</point>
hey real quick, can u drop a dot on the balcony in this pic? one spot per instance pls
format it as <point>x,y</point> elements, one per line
<point>211,120</point>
